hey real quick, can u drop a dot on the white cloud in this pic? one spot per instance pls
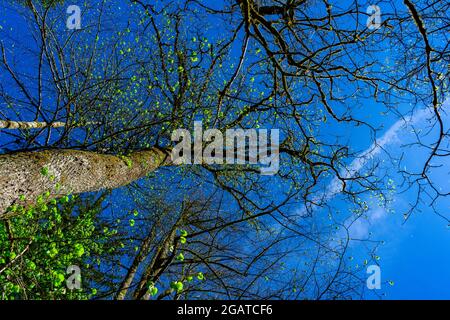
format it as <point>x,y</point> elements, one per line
<point>359,229</point>
<point>392,136</point>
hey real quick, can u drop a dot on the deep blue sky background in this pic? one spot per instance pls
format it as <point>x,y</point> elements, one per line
<point>416,254</point>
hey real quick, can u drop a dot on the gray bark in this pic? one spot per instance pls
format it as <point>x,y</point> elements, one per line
<point>28,175</point>
<point>140,257</point>
<point>158,264</point>
<point>6,124</point>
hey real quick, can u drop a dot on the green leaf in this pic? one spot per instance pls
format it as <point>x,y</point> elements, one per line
<point>153,291</point>
<point>180,257</point>
<point>44,171</point>
<point>177,286</point>
<point>31,265</point>
<point>79,249</point>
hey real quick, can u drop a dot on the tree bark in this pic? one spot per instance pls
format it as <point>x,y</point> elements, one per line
<point>24,176</point>
<point>156,267</point>
<point>140,257</point>
<point>6,124</point>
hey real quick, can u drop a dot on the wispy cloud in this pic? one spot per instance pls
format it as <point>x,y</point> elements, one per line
<point>359,228</point>
<point>389,138</point>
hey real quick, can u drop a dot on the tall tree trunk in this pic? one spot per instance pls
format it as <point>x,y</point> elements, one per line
<point>156,267</point>
<point>159,262</point>
<point>140,257</point>
<point>6,124</point>
<point>24,176</point>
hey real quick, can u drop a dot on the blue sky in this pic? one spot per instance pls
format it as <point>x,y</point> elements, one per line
<point>416,253</point>
<point>417,257</point>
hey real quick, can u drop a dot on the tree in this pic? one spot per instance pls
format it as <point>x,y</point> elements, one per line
<point>4,124</point>
<point>38,246</point>
<point>65,172</point>
<point>299,66</point>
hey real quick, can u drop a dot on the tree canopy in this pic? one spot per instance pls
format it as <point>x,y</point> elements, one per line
<point>81,107</point>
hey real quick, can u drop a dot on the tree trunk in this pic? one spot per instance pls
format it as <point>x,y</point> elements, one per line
<point>6,124</point>
<point>156,267</point>
<point>24,176</point>
<point>140,257</point>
